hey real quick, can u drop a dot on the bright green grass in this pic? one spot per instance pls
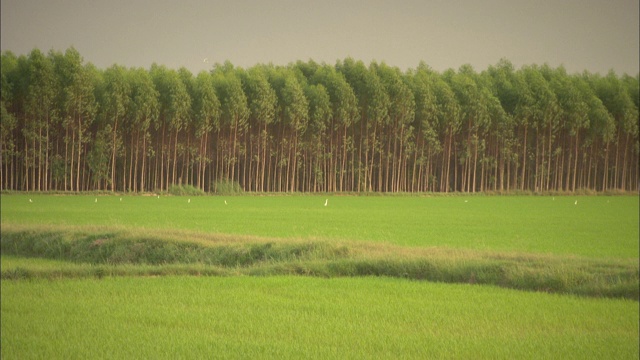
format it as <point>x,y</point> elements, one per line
<point>37,264</point>
<point>304,318</point>
<point>598,226</point>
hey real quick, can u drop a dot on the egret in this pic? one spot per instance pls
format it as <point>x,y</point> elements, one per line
<point>326,202</point>
<point>96,200</point>
<point>120,199</point>
<point>158,196</point>
<point>466,201</point>
<point>225,202</point>
<point>554,198</point>
<point>189,201</point>
<point>576,203</point>
<point>30,200</point>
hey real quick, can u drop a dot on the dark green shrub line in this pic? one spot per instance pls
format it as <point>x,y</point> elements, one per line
<point>114,248</point>
<point>572,280</point>
<point>113,253</point>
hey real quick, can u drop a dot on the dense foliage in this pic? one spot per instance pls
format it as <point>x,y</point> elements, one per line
<point>311,127</point>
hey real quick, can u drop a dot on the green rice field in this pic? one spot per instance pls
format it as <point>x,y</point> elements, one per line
<point>285,277</point>
<point>293,317</point>
<point>598,226</point>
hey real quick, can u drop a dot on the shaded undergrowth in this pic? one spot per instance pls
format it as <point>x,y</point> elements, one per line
<point>99,252</point>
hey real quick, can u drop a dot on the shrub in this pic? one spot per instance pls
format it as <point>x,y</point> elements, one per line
<point>184,190</point>
<point>226,187</point>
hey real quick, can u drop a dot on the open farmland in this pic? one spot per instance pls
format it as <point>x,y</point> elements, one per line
<point>293,317</point>
<point>110,300</point>
<point>598,226</point>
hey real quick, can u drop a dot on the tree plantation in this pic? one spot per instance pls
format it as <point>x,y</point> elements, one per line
<point>309,127</point>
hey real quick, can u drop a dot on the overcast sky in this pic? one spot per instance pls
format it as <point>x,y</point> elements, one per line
<point>593,35</point>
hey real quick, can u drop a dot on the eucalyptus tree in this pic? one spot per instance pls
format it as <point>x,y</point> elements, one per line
<point>79,108</point>
<point>489,161</point>
<point>7,125</point>
<point>573,119</point>
<point>98,158</point>
<point>116,103</point>
<point>523,121</point>
<point>319,120</point>
<point>187,149</point>
<point>295,116</point>
<point>399,131</point>
<point>633,84</point>
<point>616,97</point>
<point>8,121</point>
<point>234,119</point>
<point>543,119</point>
<point>373,108</point>
<point>144,109</point>
<point>262,102</point>
<point>448,114</point>
<point>601,132</point>
<point>505,85</point>
<point>175,105</point>
<point>428,143</point>
<point>475,115</point>
<point>158,74</point>
<point>207,116</point>
<point>344,113</point>
<point>39,109</point>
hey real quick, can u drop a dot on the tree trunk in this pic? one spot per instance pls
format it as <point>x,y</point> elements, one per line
<point>524,159</point>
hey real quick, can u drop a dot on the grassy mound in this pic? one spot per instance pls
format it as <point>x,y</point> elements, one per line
<point>117,252</point>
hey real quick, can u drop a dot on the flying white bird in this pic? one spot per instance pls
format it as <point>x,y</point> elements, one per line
<point>326,202</point>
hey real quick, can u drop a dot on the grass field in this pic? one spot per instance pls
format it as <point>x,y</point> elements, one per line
<point>106,279</point>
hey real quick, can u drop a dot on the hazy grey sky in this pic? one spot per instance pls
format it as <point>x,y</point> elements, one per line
<point>593,35</point>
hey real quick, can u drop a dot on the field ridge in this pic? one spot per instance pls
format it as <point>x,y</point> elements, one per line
<point>113,251</point>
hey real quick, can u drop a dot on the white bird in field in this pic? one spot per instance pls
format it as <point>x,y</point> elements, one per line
<point>326,202</point>
<point>30,200</point>
<point>96,200</point>
<point>576,203</point>
<point>189,201</point>
<point>466,201</point>
<point>158,196</point>
<point>120,199</point>
<point>225,202</point>
<point>554,198</point>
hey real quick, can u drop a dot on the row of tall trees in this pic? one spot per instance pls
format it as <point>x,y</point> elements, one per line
<point>310,127</point>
